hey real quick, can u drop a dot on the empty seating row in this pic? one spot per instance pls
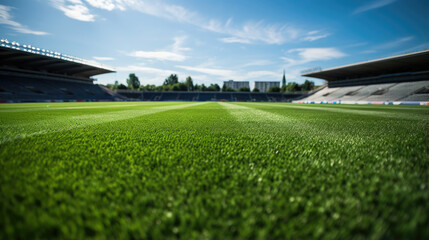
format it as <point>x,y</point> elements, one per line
<point>26,89</point>
<point>405,91</point>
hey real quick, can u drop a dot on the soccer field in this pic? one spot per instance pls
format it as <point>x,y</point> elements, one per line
<point>212,170</point>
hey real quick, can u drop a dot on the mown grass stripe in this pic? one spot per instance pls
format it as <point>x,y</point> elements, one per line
<point>339,109</point>
<point>18,131</point>
<point>217,171</point>
<point>263,120</point>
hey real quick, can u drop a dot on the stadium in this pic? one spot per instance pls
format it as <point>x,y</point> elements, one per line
<point>87,153</point>
<point>401,79</point>
<point>30,74</point>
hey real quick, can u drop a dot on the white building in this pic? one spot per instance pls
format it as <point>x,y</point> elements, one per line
<point>236,84</point>
<point>264,86</point>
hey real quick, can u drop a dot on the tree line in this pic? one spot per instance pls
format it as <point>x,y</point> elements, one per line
<point>172,83</point>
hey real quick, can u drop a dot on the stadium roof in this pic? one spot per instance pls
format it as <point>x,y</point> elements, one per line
<point>410,62</point>
<point>32,58</point>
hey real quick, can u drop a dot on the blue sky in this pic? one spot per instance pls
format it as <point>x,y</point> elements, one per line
<point>213,41</point>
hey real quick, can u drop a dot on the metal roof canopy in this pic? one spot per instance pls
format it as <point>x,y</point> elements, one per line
<point>410,62</point>
<point>30,61</point>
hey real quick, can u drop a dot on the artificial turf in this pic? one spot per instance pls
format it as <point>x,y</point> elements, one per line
<point>159,170</point>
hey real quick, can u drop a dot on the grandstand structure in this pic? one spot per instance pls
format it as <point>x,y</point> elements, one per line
<point>210,96</point>
<point>31,74</point>
<point>402,79</point>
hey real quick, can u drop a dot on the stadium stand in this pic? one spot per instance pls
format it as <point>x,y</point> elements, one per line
<point>210,96</point>
<point>420,95</point>
<point>224,96</point>
<point>363,92</point>
<point>402,79</point>
<point>30,74</point>
<point>398,91</point>
<point>261,97</point>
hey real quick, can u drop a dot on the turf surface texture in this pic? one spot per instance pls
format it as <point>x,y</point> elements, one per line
<point>212,170</point>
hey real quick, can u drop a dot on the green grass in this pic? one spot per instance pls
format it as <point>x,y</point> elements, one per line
<point>157,170</point>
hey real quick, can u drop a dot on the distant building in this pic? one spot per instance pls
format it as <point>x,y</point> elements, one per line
<point>264,86</point>
<point>236,84</point>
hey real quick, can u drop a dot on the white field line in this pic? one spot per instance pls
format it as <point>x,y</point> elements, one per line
<point>351,111</point>
<point>11,133</point>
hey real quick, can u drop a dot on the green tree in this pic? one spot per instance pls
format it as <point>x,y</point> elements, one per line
<point>196,87</point>
<point>189,83</point>
<point>133,81</point>
<point>172,79</point>
<point>244,89</point>
<point>255,90</point>
<point>292,87</point>
<point>175,87</point>
<point>213,88</point>
<point>166,87</point>
<point>201,87</point>
<point>274,89</point>
<point>307,85</point>
<point>122,86</point>
<point>148,88</point>
<point>179,87</point>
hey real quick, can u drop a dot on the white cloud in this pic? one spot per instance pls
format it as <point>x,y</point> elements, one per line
<point>373,5</point>
<point>250,32</point>
<point>143,69</point>
<point>395,43</point>
<point>103,58</point>
<point>6,18</point>
<point>239,75</point>
<point>315,37</point>
<point>108,5</point>
<point>74,9</point>
<point>313,32</point>
<point>212,71</point>
<point>235,40</point>
<point>256,74</point>
<point>175,54</point>
<point>178,44</point>
<point>159,55</point>
<point>388,45</point>
<point>420,47</point>
<point>159,9</point>
<point>306,55</point>
<point>263,62</point>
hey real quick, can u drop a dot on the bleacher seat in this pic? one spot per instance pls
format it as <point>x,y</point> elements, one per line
<point>22,89</point>
<point>405,91</point>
